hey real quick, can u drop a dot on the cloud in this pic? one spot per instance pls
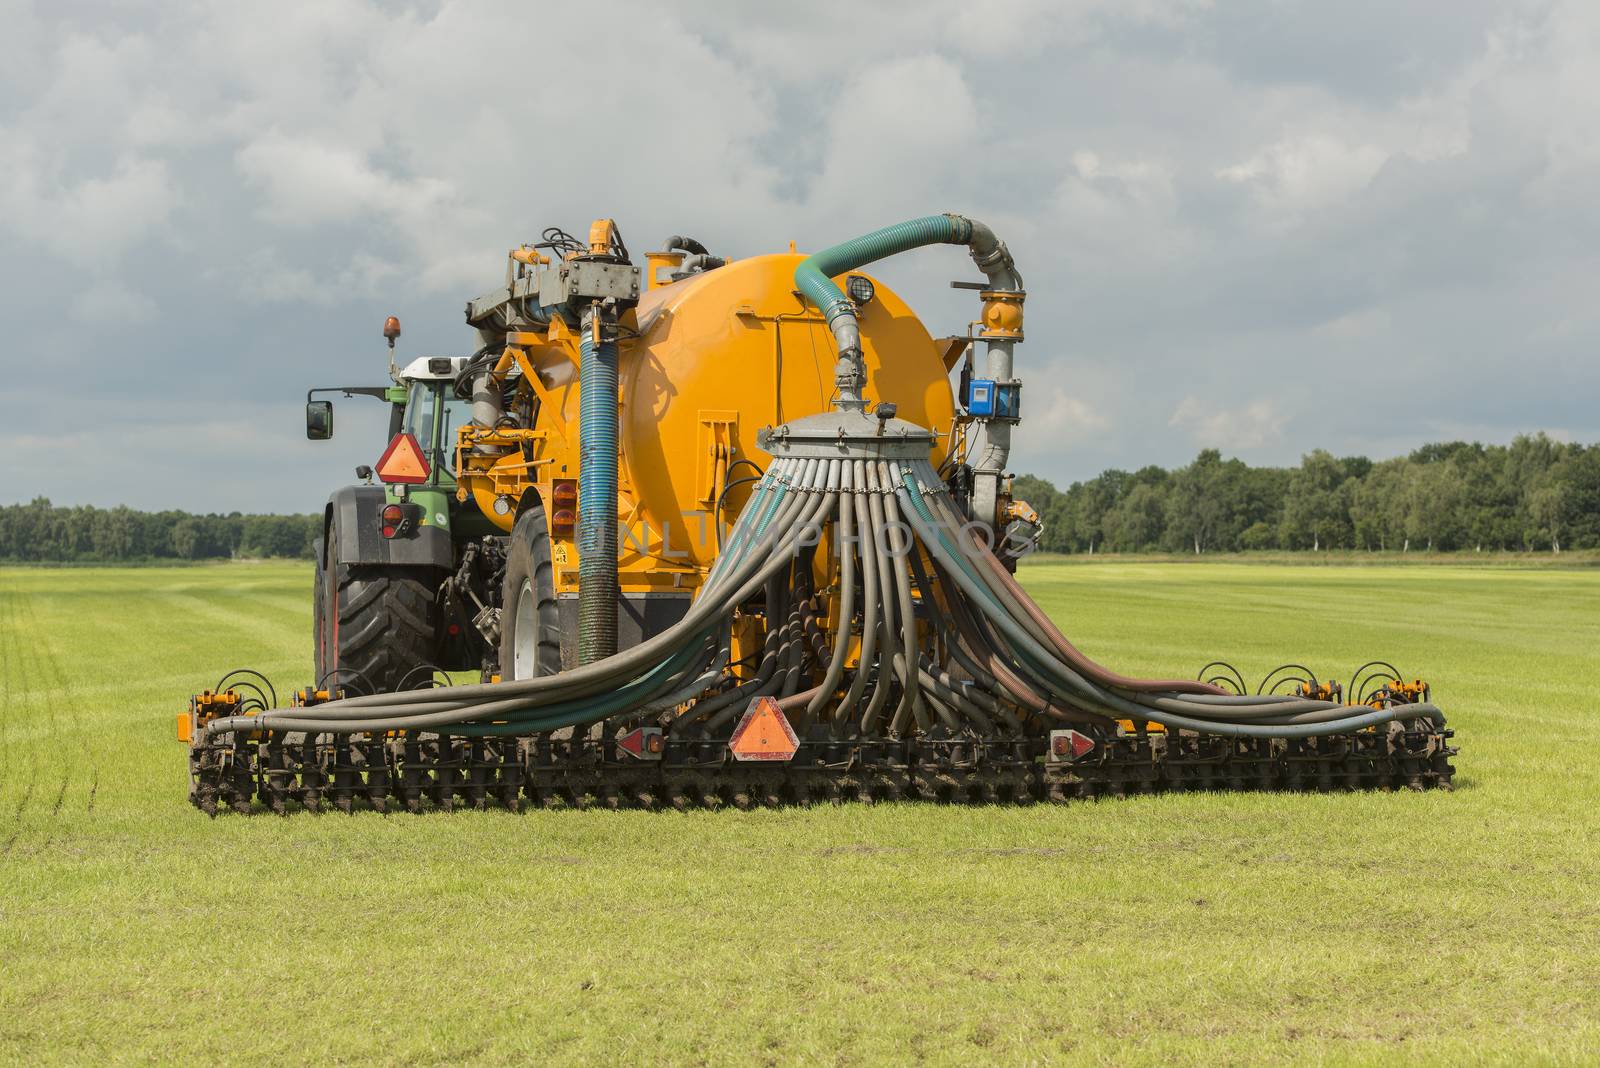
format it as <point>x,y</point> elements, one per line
<point>308,183</point>
<point>1365,205</point>
<point>84,219</point>
<point>1306,171</point>
<point>1218,426</point>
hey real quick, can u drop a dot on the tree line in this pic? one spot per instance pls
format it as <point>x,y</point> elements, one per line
<point>42,532</point>
<point>1534,494</point>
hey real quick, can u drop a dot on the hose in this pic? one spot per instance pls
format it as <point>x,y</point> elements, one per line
<point>468,703</point>
<point>884,659</point>
<point>679,243</point>
<point>1159,709</point>
<point>597,490</point>
<point>813,278</point>
<point>856,503</point>
<point>847,596</point>
<point>911,695</point>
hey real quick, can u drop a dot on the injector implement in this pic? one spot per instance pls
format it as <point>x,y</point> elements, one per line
<point>722,531</point>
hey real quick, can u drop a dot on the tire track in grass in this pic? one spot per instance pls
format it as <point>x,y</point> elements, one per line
<point>45,677</point>
<point>43,684</point>
<point>59,694</point>
<point>11,668</point>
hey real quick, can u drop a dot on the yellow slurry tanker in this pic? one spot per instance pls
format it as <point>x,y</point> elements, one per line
<point>733,532</point>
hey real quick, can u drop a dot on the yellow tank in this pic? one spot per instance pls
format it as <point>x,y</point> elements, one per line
<point>704,363</point>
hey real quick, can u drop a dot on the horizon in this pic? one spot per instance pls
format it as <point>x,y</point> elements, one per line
<point>1059,485</point>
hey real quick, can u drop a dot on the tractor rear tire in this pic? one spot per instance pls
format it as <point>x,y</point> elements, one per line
<point>375,624</point>
<point>530,619</point>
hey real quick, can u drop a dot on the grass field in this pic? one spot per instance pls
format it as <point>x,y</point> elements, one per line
<point>1369,928</point>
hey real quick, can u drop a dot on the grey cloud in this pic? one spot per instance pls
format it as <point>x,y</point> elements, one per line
<point>1358,226</point>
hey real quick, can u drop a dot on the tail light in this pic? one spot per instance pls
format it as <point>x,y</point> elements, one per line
<point>394,518</point>
<point>563,505</point>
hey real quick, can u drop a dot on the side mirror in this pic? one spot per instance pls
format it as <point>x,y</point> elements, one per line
<point>319,420</point>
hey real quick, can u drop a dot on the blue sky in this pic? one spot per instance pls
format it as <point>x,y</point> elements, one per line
<point>1264,226</point>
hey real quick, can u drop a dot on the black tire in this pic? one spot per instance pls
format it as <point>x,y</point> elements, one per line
<point>528,602</point>
<point>375,624</point>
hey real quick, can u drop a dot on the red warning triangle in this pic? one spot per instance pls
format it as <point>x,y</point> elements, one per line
<point>764,733</point>
<point>403,461</point>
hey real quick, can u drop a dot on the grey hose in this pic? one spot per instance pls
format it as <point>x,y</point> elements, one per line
<point>847,599</point>
<point>1104,699</point>
<point>911,697</point>
<point>887,627</point>
<point>505,698</point>
<point>856,504</point>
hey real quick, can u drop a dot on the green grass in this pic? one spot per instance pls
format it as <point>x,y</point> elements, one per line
<point>1199,928</point>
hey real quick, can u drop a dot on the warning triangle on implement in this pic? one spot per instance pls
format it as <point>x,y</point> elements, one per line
<point>764,733</point>
<point>403,461</point>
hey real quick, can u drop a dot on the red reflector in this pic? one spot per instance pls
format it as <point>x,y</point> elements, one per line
<point>455,628</point>
<point>643,742</point>
<point>388,531</point>
<point>1069,744</point>
<point>403,461</point>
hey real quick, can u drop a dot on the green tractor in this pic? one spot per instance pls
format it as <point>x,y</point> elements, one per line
<point>407,576</point>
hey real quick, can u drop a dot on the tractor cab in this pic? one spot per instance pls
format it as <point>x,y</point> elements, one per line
<point>425,406</point>
<point>431,412</point>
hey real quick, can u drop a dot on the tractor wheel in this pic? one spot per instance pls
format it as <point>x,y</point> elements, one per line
<point>530,621</point>
<point>374,625</point>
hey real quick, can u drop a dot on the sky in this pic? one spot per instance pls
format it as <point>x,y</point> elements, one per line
<point>1265,226</point>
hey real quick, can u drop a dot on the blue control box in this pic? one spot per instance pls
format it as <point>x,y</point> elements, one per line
<point>989,399</point>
